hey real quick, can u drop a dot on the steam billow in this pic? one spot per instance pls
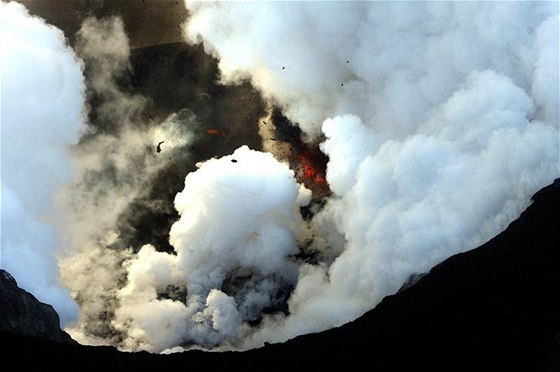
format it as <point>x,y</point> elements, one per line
<point>238,226</point>
<point>439,121</point>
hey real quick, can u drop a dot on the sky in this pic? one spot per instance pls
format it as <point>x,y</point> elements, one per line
<point>439,119</point>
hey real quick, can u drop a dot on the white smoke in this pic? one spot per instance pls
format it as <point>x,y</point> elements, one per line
<point>441,120</point>
<point>42,107</point>
<point>239,225</point>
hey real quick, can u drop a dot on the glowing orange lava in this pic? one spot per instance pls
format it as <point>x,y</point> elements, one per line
<point>310,170</point>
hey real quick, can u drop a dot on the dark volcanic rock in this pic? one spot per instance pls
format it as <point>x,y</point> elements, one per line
<point>22,313</point>
<point>496,307</point>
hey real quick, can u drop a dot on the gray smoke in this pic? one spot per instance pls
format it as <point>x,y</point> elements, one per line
<point>117,161</point>
<point>105,261</point>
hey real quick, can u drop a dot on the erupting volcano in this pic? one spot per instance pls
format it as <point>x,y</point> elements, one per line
<point>221,175</point>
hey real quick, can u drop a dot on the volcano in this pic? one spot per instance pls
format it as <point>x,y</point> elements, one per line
<point>209,185</point>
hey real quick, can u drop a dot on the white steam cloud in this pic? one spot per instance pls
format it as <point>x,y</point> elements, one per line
<point>238,228</point>
<point>441,120</point>
<point>42,107</point>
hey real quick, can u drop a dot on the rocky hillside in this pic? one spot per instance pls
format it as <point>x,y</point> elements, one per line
<point>22,313</point>
<point>496,307</point>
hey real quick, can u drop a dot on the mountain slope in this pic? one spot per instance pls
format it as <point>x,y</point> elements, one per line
<point>22,313</point>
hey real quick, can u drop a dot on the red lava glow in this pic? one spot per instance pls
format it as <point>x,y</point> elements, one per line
<point>215,132</point>
<point>310,168</point>
<point>308,171</point>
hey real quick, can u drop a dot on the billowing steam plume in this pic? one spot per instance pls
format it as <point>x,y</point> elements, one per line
<point>238,227</point>
<point>439,120</point>
<point>42,106</point>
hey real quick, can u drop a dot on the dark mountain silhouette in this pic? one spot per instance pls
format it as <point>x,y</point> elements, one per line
<point>496,307</point>
<point>22,313</point>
